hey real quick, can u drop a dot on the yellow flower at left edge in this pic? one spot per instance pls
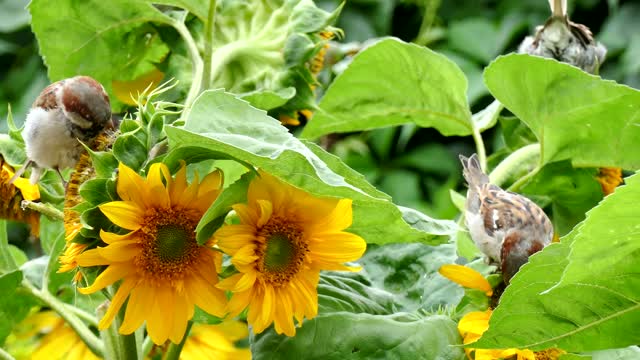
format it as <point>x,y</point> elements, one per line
<point>11,196</point>
<point>59,341</point>
<point>164,271</point>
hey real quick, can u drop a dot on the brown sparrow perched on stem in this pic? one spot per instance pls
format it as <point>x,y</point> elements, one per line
<point>505,226</point>
<point>65,113</point>
<point>563,40</point>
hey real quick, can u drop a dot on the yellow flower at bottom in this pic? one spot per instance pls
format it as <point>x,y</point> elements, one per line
<point>59,341</point>
<point>474,324</point>
<point>164,270</point>
<point>285,237</point>
<point>216,342</point>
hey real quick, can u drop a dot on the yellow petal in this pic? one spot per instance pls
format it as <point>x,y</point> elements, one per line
<point>475,322</point>
<point>283,318</point>
<point>131,186</point>
<point>247,215</point>
<point>90,258</point>
<point>338,247</point>
<point>111,238</point>
<point>231,238</point>
<point>211,182</point>
<point>467,277</point>
<point>124,214</point>
<point>246,282</point>
<point>207,297</point>
<point>181,318</point>
<point>137,306</point>
<point>129,90</point>
<point>158,194</point>
<point>116,302</point>
<point>29,191</point>
<point>110,275</point>
<point>178,185</point>
<point>266,211</point>
<point>120,251</point>
<point>340,218</point>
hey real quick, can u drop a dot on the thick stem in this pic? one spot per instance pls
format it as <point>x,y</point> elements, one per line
<point>207,78</point>
<point>43,208</point>
<point>523,157</point>
<point>196,61</point>
<point>92,341</point>
<point>173,353</point>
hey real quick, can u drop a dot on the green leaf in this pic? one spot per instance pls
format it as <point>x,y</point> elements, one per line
<point>198,8</point>
<point>12,150</point>
<point>234,194</point>
<point>269,99</point>
<point>95,191</point>
<point>487,117</point>
<point>108,41</point>
<point>354,293</point>
<point>410,273</point>
<point>364,336</point>
<point>572,192</point>
<point>221,125</point>
<point>7,262</point>
<point>575,115</point>
<point>14,303</point>
<point>629,353</point>
<point>393,83</point>
<point>571,293</point>
<point>128,149</point>
<point>104,163</point>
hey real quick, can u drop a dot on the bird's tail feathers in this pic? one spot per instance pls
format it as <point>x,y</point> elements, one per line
<point>472,171</point>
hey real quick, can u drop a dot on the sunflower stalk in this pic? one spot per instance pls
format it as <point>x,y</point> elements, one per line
<point>173,353</point>
<point>196,61</point>
<point>207,78</point>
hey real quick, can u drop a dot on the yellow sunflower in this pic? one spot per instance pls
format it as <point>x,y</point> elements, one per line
<point>285,237</point>
<point>11,196</point>
<point>162,267</point>
<point>474,324</point>
<point>216,342</point>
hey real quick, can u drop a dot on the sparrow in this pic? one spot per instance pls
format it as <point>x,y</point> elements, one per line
<point>505,226</point>
<point>563,40</point>
<point>66,113</point>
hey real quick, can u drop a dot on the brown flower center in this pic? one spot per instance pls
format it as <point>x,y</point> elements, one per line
<point>169,247</point>
<point>283,251</point>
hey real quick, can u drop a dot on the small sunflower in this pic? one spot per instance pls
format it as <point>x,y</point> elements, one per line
<point>216,342</point>
<point>474,324</point>
<point>11,196</point>
<point>162,267</point>
<point>44,335</point>
<point>285,237</point>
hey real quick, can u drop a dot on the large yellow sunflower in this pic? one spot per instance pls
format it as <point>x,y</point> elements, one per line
<point>164,271</point>
<point>285,237</point>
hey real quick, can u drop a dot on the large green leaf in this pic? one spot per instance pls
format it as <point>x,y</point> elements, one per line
<point>14,303</point>
<point>220,125</point>
<point>364,336</point>
<point>392,83</point>
<point>107,40</point>
<point>575,115</point>
<point>573,292</point>
<point>7,262</point>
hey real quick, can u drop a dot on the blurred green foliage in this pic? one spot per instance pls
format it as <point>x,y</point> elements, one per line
<point>471,34</point>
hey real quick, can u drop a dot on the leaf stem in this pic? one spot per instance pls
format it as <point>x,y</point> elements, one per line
<point>480,150</point>
<point>207,78</point>
<point>523,157</point>
<point>43,208</point>
<point>196,61</point>
<point>87,336</point>
<point>173,353</point>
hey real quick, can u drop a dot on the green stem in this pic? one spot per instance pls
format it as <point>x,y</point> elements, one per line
<point>519,159</point>
<point>482,154</point>
<point>430,10</point>
<point>147,344</point>
<point>196,61</point>
<point>88,337</point>
<point>173,353</point>
<point>43,208</point>
<point>207,78</point>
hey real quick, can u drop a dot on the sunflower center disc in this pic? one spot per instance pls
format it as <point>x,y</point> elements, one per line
<point>279,254</point>
<point>172,242</point>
